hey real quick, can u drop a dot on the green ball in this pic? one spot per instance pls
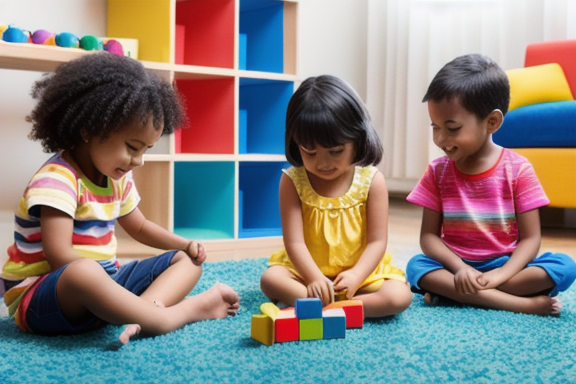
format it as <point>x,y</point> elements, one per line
<point>91,43</point>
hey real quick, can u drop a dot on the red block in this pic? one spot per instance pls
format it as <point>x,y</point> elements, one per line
<point>286,326</point>
<point>354,310</point>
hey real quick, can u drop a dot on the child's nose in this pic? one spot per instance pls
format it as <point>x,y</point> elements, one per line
<point>138,161</point>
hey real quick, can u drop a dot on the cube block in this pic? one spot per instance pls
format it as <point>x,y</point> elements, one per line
<point>334,326</point>
<point>354,310</point>
<point>286,326</point>
<point>310,308</point>
<point>311,329</point>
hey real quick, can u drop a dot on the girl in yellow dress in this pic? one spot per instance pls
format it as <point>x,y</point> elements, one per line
<point>334,206</point>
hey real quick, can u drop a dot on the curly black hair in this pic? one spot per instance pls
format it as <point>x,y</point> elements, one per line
<point>99,94</point>
<point>326,110</point>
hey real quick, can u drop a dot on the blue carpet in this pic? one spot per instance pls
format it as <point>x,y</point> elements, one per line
<point>443,344</point>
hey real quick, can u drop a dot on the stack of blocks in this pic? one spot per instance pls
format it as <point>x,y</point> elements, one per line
<point>307,320</point>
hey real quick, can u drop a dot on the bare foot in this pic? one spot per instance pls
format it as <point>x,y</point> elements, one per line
<point>216,303</point>
<point>556,306</point>
<point>129,331</point>
<point>545,305</point>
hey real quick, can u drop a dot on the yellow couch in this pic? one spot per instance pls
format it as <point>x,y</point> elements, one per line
<point>541,121</point>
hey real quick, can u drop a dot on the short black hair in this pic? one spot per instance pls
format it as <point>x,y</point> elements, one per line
<point>96,95</point>
<point>327,111</point>
<point>477,81</point>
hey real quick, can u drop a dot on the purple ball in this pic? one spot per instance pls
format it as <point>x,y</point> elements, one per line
<point>40,36</point>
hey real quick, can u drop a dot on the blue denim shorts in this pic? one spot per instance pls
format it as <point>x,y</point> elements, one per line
<point>560,267</point>
<point>45,317</point>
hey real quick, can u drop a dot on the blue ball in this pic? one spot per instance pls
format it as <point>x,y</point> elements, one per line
<point>15,35</point>
<point>67,40</point>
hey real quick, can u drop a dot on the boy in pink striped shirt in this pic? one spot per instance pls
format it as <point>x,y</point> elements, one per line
<point>480,230</point>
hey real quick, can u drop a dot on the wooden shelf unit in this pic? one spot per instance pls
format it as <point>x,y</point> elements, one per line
<point>234,62</point>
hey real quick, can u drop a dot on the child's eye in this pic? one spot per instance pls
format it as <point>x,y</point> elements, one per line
<point>454,129</point>
<point>131,147</point>
<point>336,152</point>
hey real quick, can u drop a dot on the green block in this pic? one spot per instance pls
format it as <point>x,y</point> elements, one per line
<point>311,329</point>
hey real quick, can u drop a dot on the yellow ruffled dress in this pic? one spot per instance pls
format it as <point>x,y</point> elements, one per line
<point>335,229</point>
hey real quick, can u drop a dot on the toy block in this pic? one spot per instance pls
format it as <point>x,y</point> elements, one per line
<point>262,329</point>
<point>311,329</point>
<point>354,310</point>
<point>334,323</point>
<point>310,308</point>
<point>286,326</point>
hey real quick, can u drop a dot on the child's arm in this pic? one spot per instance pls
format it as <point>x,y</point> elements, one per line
<point>57,230</point>
<point>153,235</point>
<point>465,277</point>
<point>377,238</point>
<point>293,236</point>
<point>526,250</point>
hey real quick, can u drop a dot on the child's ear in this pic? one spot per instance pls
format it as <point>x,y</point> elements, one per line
<point>495,119</point>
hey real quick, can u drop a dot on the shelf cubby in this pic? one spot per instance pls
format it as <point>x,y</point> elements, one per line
<point>262,115</point>
<point>204,33</point>
<point>148,21</point>
<point>234,63</point>
<point>259,209</point>
<point>261,39</point>
<point>210,110</point>
<point>204,199</point>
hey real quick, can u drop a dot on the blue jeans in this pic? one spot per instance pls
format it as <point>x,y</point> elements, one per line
<point>45,317</point>
<point>560,267</point>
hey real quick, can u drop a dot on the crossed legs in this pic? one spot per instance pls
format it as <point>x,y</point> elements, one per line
<point>84,288</point>
<point>523,293</point>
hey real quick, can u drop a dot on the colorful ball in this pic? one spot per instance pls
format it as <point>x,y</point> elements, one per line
<point>67,40</point>
<point>91,43</point>
<point>15,35</point>
<point>114,46</point>
<point>41,36</point>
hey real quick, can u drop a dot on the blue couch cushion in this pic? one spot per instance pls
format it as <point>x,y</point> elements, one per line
<point>539,126</point>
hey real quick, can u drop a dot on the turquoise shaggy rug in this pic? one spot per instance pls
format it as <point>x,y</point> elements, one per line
<point>442,344</point>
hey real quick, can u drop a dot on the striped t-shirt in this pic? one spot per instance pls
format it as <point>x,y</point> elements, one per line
<point>479,211</point>
<point>61,185</point>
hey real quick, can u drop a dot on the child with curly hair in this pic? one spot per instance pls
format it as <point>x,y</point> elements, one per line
<point>99,114</point>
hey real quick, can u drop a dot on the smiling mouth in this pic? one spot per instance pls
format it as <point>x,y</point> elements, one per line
<point>449,149</point>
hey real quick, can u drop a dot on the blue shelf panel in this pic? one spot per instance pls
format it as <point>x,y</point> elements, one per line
<point>259,209</point>
<point>204,199</point>
<point>261,35</point>
<point>262,115</point>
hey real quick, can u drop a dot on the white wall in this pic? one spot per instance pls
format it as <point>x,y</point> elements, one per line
<point>333,40</point>
<point>21,157</point>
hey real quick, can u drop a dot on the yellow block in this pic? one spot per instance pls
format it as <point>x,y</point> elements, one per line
<point>556,170</point>
<point>262,329</point>
<point>538,84</point>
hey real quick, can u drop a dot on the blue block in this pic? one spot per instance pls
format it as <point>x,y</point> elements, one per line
<point>310,308</point>
<point>334,323</point>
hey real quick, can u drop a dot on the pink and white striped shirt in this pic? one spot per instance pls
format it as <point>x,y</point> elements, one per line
<point>479,211</point>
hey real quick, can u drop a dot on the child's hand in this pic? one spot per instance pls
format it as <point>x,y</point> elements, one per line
<point>347,280</point>
<point>196,252</point>
<point>466,281</point>
<point>321,289</point>
<point>491,279</point>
